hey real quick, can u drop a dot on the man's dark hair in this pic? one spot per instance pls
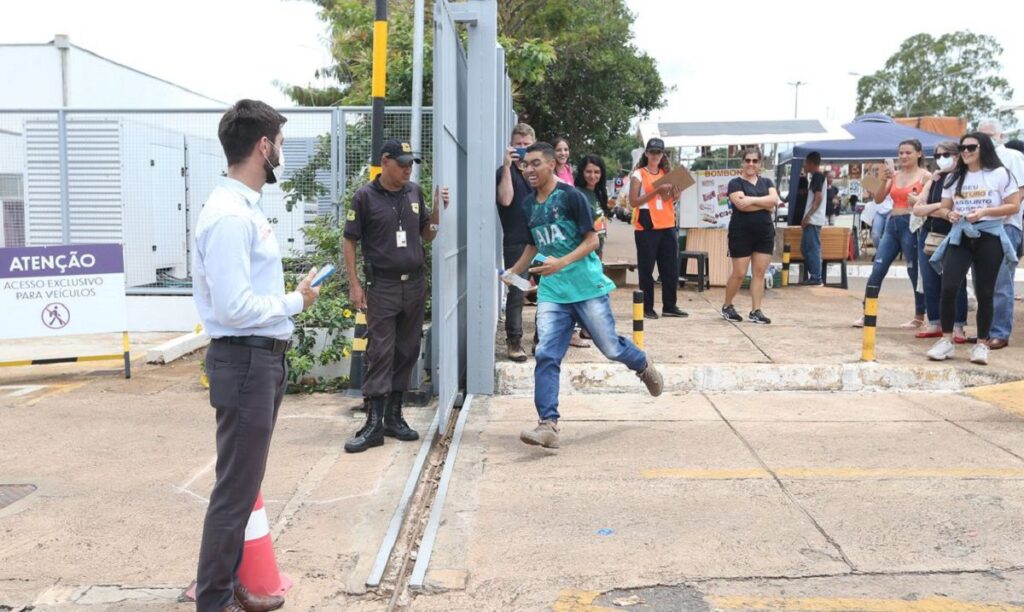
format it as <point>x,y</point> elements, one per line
<point>1015,144</point>
<point>544,148</point>
<point>244,125</point>
<point>814,158</point>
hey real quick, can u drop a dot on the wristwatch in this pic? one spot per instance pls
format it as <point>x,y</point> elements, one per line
<point>434,227</point>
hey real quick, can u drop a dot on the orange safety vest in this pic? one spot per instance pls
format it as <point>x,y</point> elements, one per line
<point>663,214</point>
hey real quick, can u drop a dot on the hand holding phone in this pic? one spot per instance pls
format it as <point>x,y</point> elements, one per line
<point>323,275</point>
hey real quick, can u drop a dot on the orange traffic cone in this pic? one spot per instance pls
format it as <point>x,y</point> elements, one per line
<point>259,571</point>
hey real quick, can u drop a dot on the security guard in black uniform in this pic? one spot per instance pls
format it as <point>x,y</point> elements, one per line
<point>390,218</point>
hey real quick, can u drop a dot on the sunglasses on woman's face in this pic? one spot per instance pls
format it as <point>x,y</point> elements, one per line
<point>971,148</point>
<point>751,161</point>
<point>944,155</point>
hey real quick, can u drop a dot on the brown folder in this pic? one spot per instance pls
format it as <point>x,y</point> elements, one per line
<point>680,178</point>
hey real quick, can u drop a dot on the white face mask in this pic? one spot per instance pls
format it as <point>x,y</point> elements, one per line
<point>276,173</point>
<point>945,163</point>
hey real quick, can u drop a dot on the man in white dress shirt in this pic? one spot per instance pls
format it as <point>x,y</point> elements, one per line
<point>238,287</point>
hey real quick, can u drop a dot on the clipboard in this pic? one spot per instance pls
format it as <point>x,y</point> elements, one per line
<point>680,179</point>
<point>871,183</point>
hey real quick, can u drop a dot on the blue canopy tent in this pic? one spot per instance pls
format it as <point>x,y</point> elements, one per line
<point>875,137</point>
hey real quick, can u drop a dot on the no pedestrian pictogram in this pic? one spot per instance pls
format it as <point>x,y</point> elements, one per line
<point>56,315</point>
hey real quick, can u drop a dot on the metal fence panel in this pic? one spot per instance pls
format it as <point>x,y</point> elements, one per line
<point>448,328</point>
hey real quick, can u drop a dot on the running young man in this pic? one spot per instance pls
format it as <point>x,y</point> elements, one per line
<point>573,287</point>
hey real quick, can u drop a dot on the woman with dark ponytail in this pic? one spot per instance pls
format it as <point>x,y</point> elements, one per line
<point>977,197</point>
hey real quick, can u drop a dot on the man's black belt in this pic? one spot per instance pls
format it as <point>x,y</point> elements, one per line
<point>378,274</point>
<point>261,342</point>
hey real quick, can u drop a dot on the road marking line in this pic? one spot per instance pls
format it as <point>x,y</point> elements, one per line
<point>833,473</point>
<point>1009,396</point>
<point>57,390</point>
<point>22,389</point>
<point>202,471</point>
<point>830,604</point>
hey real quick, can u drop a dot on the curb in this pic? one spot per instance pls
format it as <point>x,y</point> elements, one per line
<point>582,378</point>
<point>177,347</point>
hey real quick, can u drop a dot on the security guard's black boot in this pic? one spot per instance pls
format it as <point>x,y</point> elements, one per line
<point>394,425</point>
<point>372,433</point>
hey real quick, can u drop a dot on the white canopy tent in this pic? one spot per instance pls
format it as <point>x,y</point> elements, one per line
<point>724,133</point>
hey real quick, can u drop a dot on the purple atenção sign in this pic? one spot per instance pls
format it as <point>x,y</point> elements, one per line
<point>61,260</point>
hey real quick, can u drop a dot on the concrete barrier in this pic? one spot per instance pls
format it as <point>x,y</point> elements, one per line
<point>517,378</point>
<point>177,347</point>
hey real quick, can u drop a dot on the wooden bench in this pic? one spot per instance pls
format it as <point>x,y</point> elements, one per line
<point>617,272</point>
<point>835,249</point>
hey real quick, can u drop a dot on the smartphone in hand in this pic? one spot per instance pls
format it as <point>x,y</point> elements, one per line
<point>322,275</point>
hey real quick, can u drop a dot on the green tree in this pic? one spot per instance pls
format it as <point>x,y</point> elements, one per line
<point>574,69</point>
<point>350,37</point>
<point>599,80</point>
<point>956,75</point>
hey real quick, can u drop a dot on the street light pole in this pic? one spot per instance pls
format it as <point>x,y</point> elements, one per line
<point>796,95</point>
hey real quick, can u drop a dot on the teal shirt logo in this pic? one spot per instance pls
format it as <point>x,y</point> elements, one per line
<point>555,227</point>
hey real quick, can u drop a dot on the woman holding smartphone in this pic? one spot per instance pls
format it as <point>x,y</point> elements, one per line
<point>976,198</point>
<point>908,182</point>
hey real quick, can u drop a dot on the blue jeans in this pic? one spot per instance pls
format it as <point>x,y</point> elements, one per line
<point>555,323</point>
<point>810,248</point>
<point>933,287</point>
<point>878,228</point>
<point>1002,303</point>
<point>897,238</point>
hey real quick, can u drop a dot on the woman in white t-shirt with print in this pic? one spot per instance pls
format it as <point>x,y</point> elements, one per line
<point>976,198</point>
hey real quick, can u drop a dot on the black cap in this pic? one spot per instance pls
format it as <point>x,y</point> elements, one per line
<point>401,152</point>
<point>655,144</point>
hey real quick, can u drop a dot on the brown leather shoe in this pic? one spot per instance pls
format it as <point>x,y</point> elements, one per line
<point>997,343</point>
<point>257,603</point>
<point>234,606</point>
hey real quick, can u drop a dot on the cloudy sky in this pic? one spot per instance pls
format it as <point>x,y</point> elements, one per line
<point>726,60</point>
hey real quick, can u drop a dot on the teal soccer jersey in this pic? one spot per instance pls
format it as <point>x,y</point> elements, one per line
<point>557,227</point>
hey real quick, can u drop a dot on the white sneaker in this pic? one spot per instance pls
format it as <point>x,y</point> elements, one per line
<point>943,350</point>
<point>979,354</point>
<point>859,322</point>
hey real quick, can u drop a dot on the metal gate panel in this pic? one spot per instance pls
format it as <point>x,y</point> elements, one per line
<point>449,248</point>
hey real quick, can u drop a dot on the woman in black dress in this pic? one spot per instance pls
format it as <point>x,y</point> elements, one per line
<point>751,235</point>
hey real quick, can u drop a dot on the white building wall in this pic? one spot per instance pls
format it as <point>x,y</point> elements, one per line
<point>31,78</point>
<point>95,82</point>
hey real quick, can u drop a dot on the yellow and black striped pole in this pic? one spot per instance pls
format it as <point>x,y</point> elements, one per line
<point>379,83</point>
<point>786,253</point>
<point>127,355</point>
<point>870,323</point>
<point>357,366</point>
<point>638,319</point>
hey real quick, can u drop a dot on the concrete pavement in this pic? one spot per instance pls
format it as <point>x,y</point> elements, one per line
<point>124,468</point>
<point>739,501</point>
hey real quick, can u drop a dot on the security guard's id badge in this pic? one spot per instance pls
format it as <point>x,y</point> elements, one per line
<point>400,239</point>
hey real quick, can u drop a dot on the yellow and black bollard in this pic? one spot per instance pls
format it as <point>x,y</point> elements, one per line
<point>357,366</point>
<point>378,86</point>
<point>870,323</point>
<point>638,319</point>
<point>786,252</point>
